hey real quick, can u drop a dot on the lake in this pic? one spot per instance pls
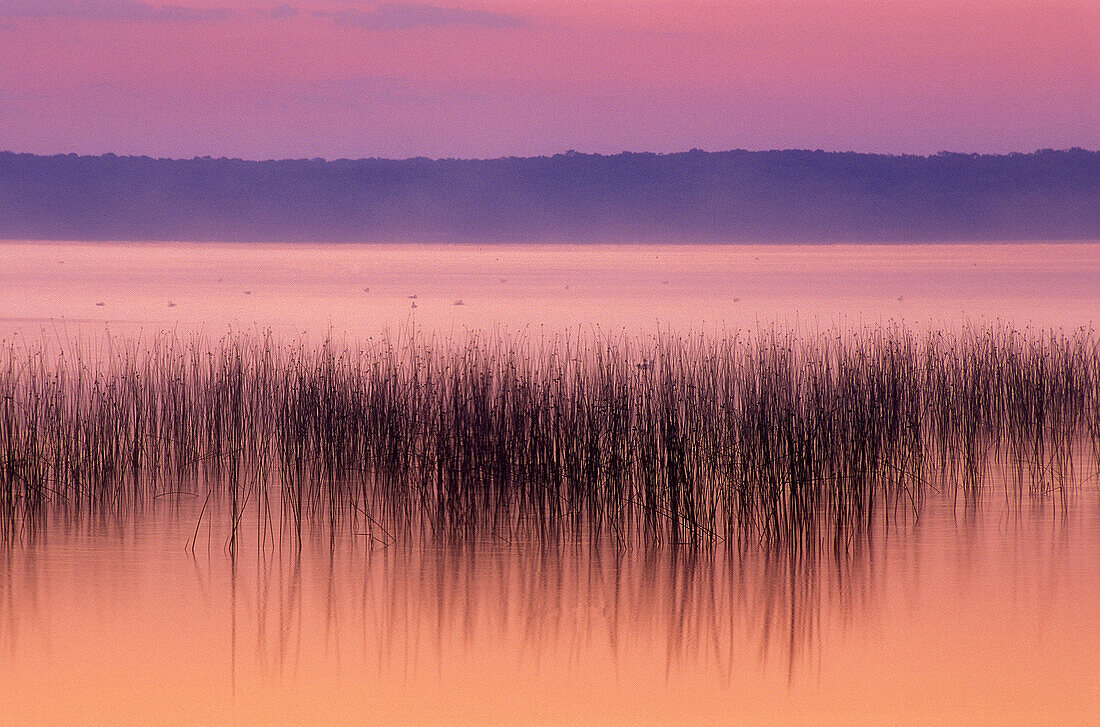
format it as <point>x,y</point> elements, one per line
<point>165,605</point>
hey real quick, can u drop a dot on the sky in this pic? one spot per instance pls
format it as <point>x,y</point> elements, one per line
<point>262,79</point>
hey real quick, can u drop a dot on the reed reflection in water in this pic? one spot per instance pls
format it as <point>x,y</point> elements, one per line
<point>982,607</point>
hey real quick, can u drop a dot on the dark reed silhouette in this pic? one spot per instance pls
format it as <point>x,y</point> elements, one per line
<point>688,197</point>
<point>775,438</point>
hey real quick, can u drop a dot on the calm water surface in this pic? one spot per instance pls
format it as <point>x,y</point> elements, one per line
<point>963,615</point>
<point>360,290</point>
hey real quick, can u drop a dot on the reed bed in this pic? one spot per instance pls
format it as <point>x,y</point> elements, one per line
<point>773,437</point>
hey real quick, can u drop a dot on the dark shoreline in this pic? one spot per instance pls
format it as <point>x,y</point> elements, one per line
<point>691,197</point>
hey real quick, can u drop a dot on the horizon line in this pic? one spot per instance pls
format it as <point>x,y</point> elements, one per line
<point>567,153</point>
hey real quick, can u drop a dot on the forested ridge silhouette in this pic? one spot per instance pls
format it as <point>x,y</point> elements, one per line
<point>692,196</point>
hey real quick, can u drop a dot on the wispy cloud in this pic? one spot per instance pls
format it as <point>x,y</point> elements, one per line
<point>401,16</point>
<point>362,92</point>
<point>279,12</point>
<point>108,10</point>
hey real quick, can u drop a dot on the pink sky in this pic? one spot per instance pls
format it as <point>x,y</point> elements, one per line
<point>352,78</point>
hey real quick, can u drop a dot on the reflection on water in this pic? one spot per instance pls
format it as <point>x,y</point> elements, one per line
<point>962,613</point>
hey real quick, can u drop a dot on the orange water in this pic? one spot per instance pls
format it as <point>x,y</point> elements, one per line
<point>957,618</point>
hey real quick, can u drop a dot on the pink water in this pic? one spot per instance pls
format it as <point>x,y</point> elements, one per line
<point>323,288</point>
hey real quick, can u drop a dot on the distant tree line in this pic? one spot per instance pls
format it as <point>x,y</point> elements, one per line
<point>693,196</point>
